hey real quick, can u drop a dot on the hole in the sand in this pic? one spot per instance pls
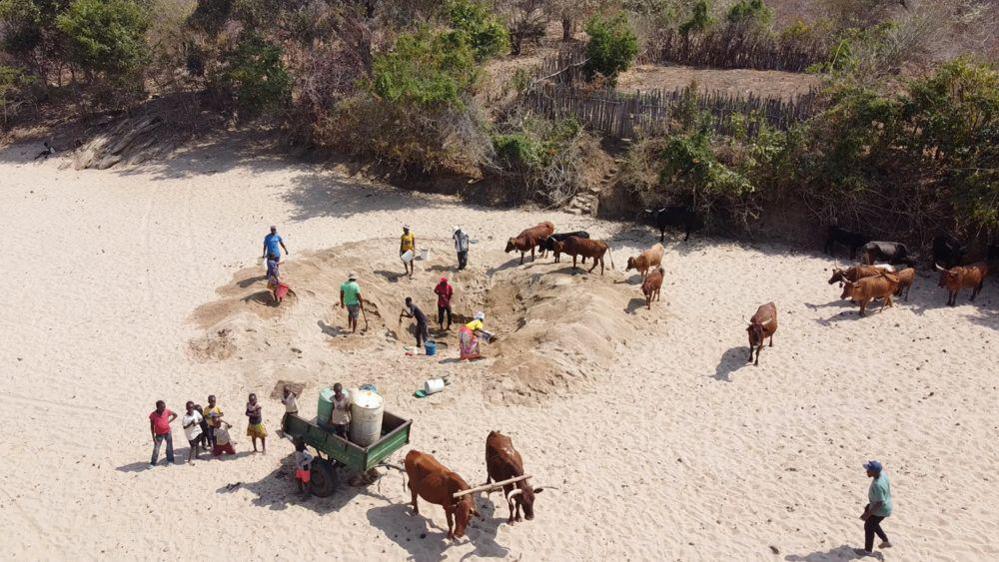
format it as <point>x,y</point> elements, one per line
<point>559,328</point>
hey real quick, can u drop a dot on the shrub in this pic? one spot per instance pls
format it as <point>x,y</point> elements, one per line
<point>479,28</point>
<point>612,48</point>
<point>700,19</point>
<point>542,156</point>
<point>13,82</point>
<point>426,69</point>
<point>750,13</point>
<point>253,76</point>
<point>106,36</point>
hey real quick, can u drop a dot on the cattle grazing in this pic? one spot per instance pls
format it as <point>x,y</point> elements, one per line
<point>652,285</point>
<point>866,289</point>
<point>433,482</point>
<point>651,258</point>
<point>887,252</point>
<point>906,278</point>
<point>529,239</point>
<point>548,244</point>
<point>856,272</point>
<point>762,325</point>
<point>586,248</point>
<point>852,240</point>
<point>503,462</point>
<point>966,277</point>
<point>678,217</point>
<point>948,251</point>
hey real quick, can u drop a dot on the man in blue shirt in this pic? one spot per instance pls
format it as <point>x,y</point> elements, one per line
<point>273,244</point>
<point>879,507</point>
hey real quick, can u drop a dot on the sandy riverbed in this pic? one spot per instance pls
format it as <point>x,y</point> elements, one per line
<point>655,438</point>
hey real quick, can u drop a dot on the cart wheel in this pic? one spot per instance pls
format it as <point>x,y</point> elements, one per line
<point>324,478</point>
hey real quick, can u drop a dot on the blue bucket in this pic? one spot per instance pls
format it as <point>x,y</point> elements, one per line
<point>431,348</point>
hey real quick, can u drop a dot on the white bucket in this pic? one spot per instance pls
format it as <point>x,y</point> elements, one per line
<point>366,413</point>
<point>425,254</point>
<point>407,256</point>
<point>433,385</point>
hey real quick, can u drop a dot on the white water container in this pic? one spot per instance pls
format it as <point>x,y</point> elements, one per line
<point>424,254</point>
<point>366,413</point>
<point>433,385</point>
<point>407,256</point>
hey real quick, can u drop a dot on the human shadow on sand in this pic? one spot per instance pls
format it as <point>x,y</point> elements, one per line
<point>390,276</point>
<point>730,362</point>
<point>332,331</point>
<point>426,542</point>
<point>843,552</point>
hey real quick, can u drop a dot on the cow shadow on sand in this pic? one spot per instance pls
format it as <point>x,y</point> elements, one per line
<point>731,361</point>
<point>634,305</point>
<point>425,541</point>
<point>842,552</point>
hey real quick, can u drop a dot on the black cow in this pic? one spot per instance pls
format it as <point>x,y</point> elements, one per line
<point>886,252</point>
<point>680,217</point>
<point>548,244</point>
<point>948,251</point>
<point>852,240</point>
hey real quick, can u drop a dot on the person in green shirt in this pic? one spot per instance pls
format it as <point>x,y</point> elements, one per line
<point>350,298</point>
<point>879,506</point>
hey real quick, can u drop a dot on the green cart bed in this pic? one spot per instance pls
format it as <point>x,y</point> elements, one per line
<point>333,450</point>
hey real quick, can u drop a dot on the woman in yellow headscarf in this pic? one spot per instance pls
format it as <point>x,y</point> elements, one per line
<point>468,337</point>
<point>407,243</point>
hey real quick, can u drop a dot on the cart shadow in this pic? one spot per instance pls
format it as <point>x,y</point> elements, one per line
<point>278,490</point>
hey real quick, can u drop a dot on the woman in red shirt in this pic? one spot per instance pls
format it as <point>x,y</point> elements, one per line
<point>159,427</point>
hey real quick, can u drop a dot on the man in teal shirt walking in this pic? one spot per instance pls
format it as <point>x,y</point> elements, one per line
<point>879,507</point>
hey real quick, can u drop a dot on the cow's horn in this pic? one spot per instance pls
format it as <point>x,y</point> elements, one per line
<point>510,496</point>
<point>937,266</point>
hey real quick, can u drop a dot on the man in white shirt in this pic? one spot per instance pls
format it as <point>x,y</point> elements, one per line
<point>192,430</point>
<point>290,401</point>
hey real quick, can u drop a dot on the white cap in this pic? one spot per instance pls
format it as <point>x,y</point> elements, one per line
<point>480,315</point>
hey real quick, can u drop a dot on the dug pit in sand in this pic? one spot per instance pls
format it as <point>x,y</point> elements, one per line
<point>559,330</point>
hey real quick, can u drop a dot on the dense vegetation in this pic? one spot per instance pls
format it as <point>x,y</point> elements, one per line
<point>906,138</point>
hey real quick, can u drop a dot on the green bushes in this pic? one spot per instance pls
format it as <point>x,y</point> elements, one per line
<point>612,48</point>
<point>700,19</point>
<point>750,13</point>
<point>479,28</point>
<point>253,77</point>
<point>542,157</point>
<point>106,37</point>
<point>426,69</point>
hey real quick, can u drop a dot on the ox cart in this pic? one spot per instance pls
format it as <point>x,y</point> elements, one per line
<point>333,451</point>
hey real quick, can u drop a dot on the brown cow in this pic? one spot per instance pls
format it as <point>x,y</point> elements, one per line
<point>906,278</point>
<point>529,239</point>
<point>652,285</point>
<point>502,463</point>
<point>866,289</point>
<point>653,257</point>
<point>762,325</point>
<point>856,272</point>
<point>587,248</point>
<point>433,482</point>
<point>963,277</point>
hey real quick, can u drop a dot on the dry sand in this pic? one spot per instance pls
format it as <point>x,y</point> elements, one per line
<point>655,439</point>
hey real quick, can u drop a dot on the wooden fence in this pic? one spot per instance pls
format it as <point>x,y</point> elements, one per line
<point>725,48</point>
<point>623,115</point>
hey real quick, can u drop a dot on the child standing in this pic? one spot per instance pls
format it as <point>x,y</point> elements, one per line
<point>303,467</point>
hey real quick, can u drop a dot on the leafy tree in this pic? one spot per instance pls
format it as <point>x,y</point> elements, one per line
<point>612,48</point>
<point>426,69</point>
<point>750,13</point>
<point>254,76</point>
<point>479,27</point>
<point>700,19</point>
<point>106,36</point>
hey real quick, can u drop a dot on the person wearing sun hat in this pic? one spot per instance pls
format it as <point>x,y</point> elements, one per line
<point>350,298</point>
<point>468,337</point>
<point>878,508</point>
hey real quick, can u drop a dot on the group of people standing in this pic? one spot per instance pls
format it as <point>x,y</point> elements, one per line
<point>204,428</point>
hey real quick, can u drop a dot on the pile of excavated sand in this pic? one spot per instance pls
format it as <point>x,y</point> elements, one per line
<point>556,328</point>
